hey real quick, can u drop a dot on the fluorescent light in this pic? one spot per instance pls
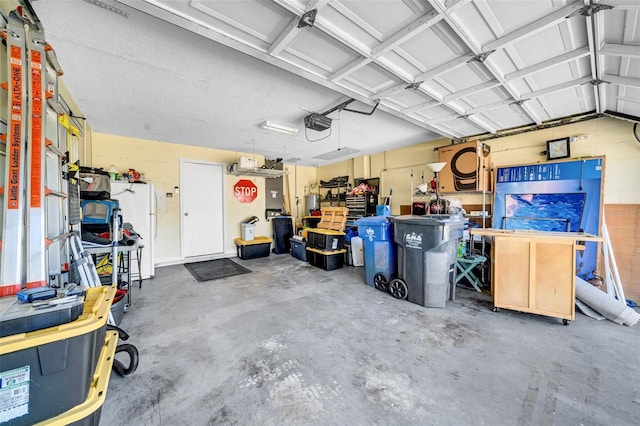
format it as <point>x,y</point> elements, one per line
<point>270,125</point>
<point>332,155</point>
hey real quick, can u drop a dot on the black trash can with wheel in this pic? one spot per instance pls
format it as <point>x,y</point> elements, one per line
<point>426,252</point>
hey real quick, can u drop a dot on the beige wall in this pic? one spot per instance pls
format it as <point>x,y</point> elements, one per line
<point>610,137</point>
<point>301,180</point>
<point>160,164</point>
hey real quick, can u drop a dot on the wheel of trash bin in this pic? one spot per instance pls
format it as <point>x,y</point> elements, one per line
<point>380,282</point>
<point>398,289</point>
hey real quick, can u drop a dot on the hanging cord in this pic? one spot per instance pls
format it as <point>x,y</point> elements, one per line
<point>306,135</point>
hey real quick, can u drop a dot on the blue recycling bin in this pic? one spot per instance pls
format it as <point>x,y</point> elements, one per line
<point>379,250</point>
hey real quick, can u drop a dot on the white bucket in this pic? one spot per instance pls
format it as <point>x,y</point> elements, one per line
<point>248,231</point>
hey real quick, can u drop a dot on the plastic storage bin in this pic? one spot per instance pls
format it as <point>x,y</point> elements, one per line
<point>426,257</point>
<point>248,231</point>
<point>258,247</point>
<point>379,250</point>
<point>53,368</point>
<point>325,239</point>
<point>98,211</point>
<point>327,260</point>
<point>17,317</point>
<point>298,249</point>
<point>88,412</point>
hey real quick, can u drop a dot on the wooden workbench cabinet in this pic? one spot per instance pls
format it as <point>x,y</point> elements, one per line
<point>534,271</point>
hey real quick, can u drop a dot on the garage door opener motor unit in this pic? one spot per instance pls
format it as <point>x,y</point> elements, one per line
<point>317,122</point>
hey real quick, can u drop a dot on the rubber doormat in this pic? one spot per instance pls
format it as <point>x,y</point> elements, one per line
<point>214,269</point>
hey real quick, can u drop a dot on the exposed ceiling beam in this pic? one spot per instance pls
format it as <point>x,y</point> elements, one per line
<point>491,106</point>
<point>473,47</point>
<point>622,81</point>
<point>285,38</point>
<point>621,4</point>
<point>420,107</point>
<point>393,41</point>
<point>413,29</point>
<point>598,93</point>
<point>391,90</point>
<point>178,18</point>
<point>556,88</point>
<point>486,85</point>
<point>477,50</point>
<point>352,66</point>
<point>540,66</point>
<point>626,50</point>
<point>447,66</point>
<point>538,25</point>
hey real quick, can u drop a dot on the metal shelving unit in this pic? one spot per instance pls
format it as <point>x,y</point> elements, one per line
<point>258,172</point>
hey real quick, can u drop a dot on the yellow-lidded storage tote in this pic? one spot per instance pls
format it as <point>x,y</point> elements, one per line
<point>88,413</point>
<point>46,372</point>
<point>258,247</point>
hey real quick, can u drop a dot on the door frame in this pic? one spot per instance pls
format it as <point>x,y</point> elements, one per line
<point>223,166</point>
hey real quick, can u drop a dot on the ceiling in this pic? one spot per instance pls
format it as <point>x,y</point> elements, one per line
<point>208,72</point>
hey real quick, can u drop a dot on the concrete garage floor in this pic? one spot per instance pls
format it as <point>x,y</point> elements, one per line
<point>292,344</point>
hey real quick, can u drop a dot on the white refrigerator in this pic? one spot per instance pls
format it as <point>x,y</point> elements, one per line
<point>138,207</point>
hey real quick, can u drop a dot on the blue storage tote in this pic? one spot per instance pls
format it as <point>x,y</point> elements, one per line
<point>298,249</point>
<point>379,250</point>
<point>98,211</point>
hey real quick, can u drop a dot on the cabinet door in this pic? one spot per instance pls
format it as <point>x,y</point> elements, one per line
<point>511,273</point>
<point>553,283</point>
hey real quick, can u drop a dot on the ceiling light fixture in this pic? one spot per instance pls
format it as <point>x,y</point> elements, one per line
<point>338,153</point>
<point>270,125</point>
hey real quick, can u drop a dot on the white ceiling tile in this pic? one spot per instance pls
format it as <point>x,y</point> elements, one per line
<point>262,20</point>
<point>463,77</point>
<point>387,17</point>
<point>408,98</point>
<point>429,49</point>
<point>325,52</point>
<point>399,60</point>
<point>373,77</point>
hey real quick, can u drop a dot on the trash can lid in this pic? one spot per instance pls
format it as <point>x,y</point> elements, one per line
<point>372,220</point>
<point>432,219</point>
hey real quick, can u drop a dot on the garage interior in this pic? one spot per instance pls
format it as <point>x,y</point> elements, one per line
<point>230,118</point>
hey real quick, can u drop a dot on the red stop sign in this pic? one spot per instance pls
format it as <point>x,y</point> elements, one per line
<point>245,191</point>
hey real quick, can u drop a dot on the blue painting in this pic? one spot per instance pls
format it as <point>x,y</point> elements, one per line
<point>544,212</point>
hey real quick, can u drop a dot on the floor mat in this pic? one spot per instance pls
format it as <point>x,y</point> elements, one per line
<point>214,269</point>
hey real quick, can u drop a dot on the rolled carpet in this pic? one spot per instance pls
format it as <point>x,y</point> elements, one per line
<point>608,306</point>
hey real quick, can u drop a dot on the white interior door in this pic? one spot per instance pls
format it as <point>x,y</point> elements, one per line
<point>202,207</point>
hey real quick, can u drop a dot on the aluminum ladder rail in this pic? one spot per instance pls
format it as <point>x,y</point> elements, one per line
<point>46,224</point>
<point>13,188</point>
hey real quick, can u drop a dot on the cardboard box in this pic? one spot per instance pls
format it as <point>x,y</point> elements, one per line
<point>467,169</point>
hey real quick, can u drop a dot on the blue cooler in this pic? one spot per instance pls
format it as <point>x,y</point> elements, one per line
<point>379,250</point>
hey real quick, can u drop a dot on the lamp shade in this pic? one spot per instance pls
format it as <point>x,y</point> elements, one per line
<point>436,167</point>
